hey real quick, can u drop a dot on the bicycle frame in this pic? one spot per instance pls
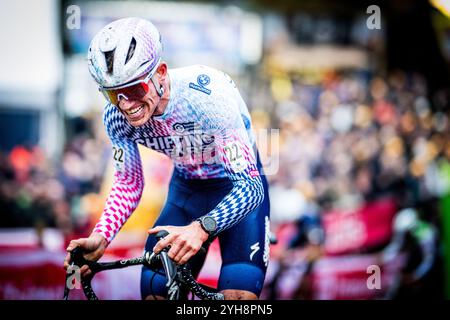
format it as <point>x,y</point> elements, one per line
<point>179,277</point>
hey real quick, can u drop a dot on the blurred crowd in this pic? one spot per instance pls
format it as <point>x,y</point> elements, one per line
<point>347,141</point>
<point>38,192</point>
<point>354,137</point>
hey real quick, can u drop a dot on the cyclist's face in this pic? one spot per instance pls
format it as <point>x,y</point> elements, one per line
<point>138,112</point>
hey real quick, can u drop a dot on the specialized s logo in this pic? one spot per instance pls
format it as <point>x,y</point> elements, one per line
<point>255,248</point>
<point>202,81</point>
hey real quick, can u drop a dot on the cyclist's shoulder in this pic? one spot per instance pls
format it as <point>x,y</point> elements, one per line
<point>115,123</point>
<point>200,77</point>
<point>205,89</point>
<point>424,230</point>
<point>194,70</point>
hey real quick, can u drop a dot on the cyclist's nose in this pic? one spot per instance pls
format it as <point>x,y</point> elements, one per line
<point>125,104</point>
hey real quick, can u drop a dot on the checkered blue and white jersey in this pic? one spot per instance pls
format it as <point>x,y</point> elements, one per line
<point>205,130</point>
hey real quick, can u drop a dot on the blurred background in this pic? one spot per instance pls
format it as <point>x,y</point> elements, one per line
<point>360,93</point>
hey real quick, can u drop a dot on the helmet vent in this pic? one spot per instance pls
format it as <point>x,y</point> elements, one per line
<point>109,57</point>
<point>131,50</point>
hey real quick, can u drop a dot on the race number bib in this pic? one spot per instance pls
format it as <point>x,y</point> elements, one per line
<point>233,152</point>
<point>118,156</point>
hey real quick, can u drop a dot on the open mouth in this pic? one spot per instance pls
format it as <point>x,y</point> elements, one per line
<point>136,110</point>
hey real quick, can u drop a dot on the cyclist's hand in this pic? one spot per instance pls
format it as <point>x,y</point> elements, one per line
<point>94,247</point>
<point>184,241</point>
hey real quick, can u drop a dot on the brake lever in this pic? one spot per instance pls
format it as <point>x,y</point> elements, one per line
<point>77,259</point>
<point>76,256</point>
<point>169,266</point>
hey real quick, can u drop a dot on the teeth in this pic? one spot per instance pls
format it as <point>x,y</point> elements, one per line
<point>135,110</point>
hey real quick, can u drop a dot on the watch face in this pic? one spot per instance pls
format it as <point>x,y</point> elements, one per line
<point>209,223</point>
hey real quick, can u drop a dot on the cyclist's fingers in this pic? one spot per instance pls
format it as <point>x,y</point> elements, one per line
<point>163,243</point>
<point>159,228</point>
<point>154,230</point>
<point>94,255</point>
<point>84,270</point>
<point>160,245</point>
<point>72,245</point>
<point>175,249</point>
<point>67,261</point>
<point>82,242</point>
<point>179,256</point>
<point>86,243</point>
<point>86,274</point>
<point>185,258</point>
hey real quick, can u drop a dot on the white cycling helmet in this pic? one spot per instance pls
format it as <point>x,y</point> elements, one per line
<point>405,220</point>
<point>124,50</point>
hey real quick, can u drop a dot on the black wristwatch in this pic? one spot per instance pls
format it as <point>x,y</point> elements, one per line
<point>209,224</point>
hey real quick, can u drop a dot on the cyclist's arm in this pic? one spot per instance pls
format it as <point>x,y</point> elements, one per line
<point>426,238</point>
<point>247,193</point>
<point>394,248</point>
<point>237,156</point>
<point>127,187</point>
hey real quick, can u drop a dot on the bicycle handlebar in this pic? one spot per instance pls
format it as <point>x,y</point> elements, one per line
<point>150,260</point>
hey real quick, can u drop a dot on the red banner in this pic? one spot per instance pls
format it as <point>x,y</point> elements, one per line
<point>361,229</point>
<point>39,274</point>
<point>347,277</point>
<point>32,269</point>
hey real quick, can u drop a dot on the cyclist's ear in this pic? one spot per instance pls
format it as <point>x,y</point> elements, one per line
<point>162,71</point>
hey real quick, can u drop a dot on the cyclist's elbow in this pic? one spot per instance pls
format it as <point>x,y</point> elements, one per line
<point>139,189</point>
<point>131,181</point>
<point>140,186</point>
<point>252,190</point>
<point>258,190</point>
<point>133,188</point>
<point>260,199</point>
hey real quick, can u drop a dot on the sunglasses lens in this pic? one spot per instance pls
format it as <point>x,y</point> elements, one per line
<point>135,92</point>
<point>111,96</point>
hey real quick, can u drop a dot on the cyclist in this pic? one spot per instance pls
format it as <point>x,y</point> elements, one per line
<point>196,116</point>
<point>302,250</point>
<point>418,239</point>
<point>309,230</point>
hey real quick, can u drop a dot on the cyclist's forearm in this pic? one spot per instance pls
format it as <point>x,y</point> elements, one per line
<point>123,199</point>
<point>101,238</point>
<point>245,197</point>
<point>423,268</point>
<point>428,259</point>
